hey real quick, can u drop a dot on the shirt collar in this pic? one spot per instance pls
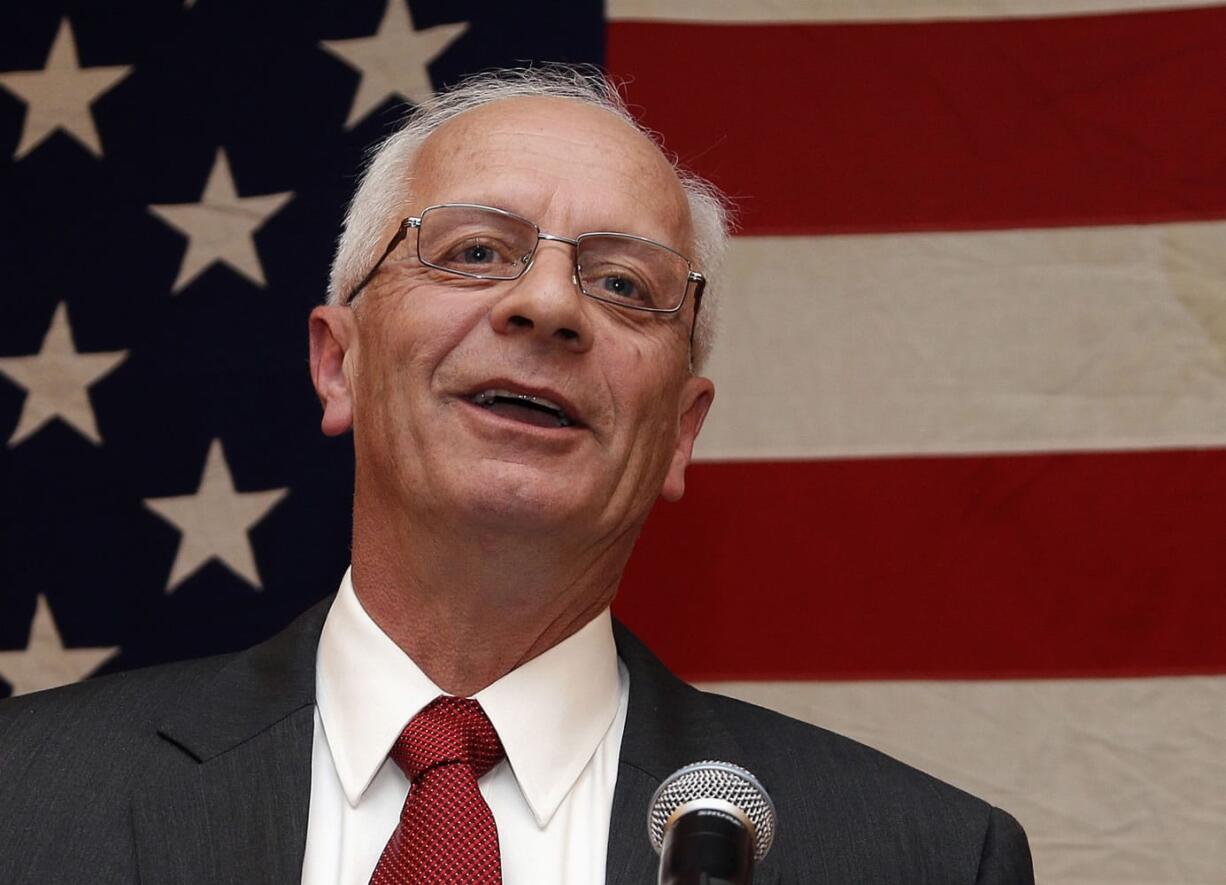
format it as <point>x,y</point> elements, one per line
<point>551,713</point>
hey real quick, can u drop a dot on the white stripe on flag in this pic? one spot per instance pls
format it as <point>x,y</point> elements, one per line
<point>1116,781</point>
<point>874,10</point>
<point>1060,339</point>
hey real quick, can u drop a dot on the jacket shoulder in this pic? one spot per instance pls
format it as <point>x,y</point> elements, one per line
<point>871,813</point>
<point>95,777</point>
<point>69,758</point>
<point>97,714</point>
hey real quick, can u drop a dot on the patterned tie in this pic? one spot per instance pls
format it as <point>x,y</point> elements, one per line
<point>446,831</point>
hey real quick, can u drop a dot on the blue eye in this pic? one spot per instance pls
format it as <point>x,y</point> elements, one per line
<point>620,287</point>
<point>478,254</point>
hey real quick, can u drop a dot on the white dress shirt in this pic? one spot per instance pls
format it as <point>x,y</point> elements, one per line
<point>560,717</point>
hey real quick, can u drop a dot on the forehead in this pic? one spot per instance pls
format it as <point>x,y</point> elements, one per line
<point>570,166</point>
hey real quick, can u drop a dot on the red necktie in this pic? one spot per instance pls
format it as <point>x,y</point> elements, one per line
<point>446,831</point>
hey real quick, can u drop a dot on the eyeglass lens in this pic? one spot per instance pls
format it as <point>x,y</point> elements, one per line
<point>487,244</point>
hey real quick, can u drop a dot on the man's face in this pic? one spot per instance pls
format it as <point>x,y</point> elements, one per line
<point>426,344</point>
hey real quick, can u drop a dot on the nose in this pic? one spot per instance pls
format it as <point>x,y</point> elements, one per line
<point>545,303</point>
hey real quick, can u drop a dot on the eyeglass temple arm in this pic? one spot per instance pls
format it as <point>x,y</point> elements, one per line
<point>401,233</point>
<point>700,283</point>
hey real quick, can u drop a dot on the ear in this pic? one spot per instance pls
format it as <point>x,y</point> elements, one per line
<point>333,351</point>
<point>697,394</point>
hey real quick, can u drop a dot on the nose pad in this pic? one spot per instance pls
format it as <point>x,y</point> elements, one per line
<point>533,260</point>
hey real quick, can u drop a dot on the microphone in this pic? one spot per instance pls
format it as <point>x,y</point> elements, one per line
<point>710,822</point>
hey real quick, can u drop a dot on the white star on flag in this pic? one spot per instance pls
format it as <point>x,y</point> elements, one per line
<point>221,227</point>
<point>215,521</point>
<point>59,96</point>
<point>45,662</point>
<point>393,61</point>
<point>57,381</point>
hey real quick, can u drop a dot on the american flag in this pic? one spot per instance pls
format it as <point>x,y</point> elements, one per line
<point>963,491</point>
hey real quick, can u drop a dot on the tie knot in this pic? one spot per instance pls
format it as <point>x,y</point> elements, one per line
<point>448,731</point>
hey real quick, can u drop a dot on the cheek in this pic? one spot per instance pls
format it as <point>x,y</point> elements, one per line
<point>420,330</point>
<point>647,387</point>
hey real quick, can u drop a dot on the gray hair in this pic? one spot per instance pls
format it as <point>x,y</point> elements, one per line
<point>384,188</point>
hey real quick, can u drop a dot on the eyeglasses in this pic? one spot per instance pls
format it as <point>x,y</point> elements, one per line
<point>484,243</point>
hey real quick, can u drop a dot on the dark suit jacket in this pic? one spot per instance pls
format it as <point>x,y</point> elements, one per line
<point>200,772</point>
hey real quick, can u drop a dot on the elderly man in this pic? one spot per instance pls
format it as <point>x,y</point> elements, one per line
<point>513,330</point>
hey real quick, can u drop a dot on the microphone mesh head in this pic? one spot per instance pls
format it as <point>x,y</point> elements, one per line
<point>714,780</point>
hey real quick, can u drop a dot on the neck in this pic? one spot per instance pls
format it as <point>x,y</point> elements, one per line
<point>469,605</point>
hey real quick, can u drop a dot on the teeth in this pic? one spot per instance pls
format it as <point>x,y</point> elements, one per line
<point>489,397</point>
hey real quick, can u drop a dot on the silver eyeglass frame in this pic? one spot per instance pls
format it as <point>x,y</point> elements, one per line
<point>414,222</point>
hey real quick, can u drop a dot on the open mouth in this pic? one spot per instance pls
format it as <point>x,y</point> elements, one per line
<point>529,409</point>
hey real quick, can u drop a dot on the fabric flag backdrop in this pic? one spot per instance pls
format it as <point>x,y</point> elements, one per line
<point>963,491</point>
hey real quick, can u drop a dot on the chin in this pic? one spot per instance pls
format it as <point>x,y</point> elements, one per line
<point>517,498</point>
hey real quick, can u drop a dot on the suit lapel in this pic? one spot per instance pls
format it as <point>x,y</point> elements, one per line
<point>228,798</point>
<point>668,724</point>
<point>631,860</point>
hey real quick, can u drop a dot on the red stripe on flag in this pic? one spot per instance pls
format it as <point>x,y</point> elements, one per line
<point>967,567</point>
<point>942,125</point>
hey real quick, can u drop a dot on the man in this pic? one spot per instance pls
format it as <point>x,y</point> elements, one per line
<point>514,328</point>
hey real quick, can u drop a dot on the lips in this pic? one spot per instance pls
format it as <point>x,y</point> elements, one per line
<point>538,408</point>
